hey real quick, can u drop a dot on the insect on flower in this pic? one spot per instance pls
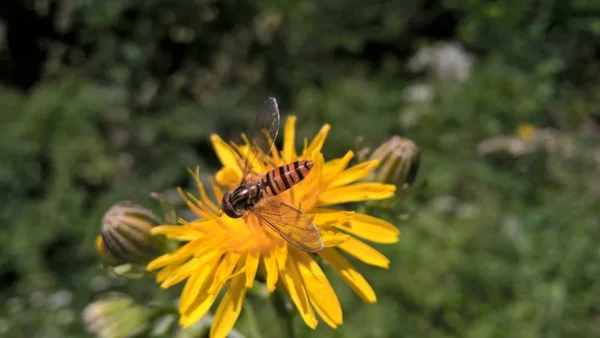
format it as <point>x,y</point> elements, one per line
<point>256,193</point>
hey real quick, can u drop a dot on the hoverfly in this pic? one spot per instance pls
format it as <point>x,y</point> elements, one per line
<point>256,193</point>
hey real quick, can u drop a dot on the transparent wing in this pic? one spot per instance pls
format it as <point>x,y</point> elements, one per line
<point>263,134</point>
<point>290,223</point>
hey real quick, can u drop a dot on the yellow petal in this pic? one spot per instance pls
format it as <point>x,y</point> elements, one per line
<point>167,271</point>
<point>197,206</point>
<point>210,243</point>
<point>353,174</point>
<point>201,191</point>
<point>223,271</point>
<point>289,142</point>
<point>356,193</point>
<point>305,191</point>
<point>216,190</point>
<point>334,167</point>
<point>317,143</point>
<point>364,253</point>
<point>321,294</point>
<point>103,250</point>
<point>228,157</point>
<point>197,310</point>
<point>185,252</point>
<point>196,286</point>
<point>270,264</point>
<point>208,227</point>
<point>329,217</point>
<point>228,177</point>
<point>354,279</point>
<point>208,291</point>
<point>274,160</point>
<point>185,270</point>
<point>230,308</point>
<point>256,161</point>
<point>178,232</point>
<point>326,220</point>
<point>251,267</point>
<point>295,287</point>
<point>373,229</point>
<point>332,238</point>
<point>281,256</point>
<point>164,260</point>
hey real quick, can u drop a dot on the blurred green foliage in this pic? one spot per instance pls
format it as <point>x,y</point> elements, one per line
<point>104,101</point>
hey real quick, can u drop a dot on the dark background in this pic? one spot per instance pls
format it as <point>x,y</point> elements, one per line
<point>102,101</point>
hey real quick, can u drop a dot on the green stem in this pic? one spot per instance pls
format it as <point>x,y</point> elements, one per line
<point>252,326</point>
<point>282,308</point>
<point>290,325</point>
<point>203,325</point>
<point>162,309</point>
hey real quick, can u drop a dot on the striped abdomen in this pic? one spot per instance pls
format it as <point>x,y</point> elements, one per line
<point>281,179</point>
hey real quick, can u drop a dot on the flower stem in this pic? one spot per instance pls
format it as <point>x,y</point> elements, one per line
<point>203,325</point>
<point>252,323</point>
<point>290,325</point>
<point>284,309</point>
<point>163,309</point>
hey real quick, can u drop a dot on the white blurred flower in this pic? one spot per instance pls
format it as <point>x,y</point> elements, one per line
<point>409,117</point>
<point>421,93</point>
<point>266,25</point>
<point>512,227</point>
<point>60,299</point>
<point>444,204</point>
<point>182,34</point>
<point>447,60</point>
<point>65,316</point>
<point>528,140</point>
<point>15,304</point>
<point>466,211</point>
<point>511,145</point>
<point>37,298</point>
<point>100,283</point>
<point>4,325</point>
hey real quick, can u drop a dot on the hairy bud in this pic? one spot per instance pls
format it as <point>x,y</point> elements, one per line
<point>125,234</point>
<point>399,161</point>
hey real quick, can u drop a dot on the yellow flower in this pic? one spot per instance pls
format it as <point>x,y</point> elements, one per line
<point>526,131</point>
<point>222,250</point>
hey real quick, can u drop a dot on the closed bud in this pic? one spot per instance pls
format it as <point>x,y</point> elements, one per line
<point>399,162</point>
<point>115,315</point>
<point>126,234</point>
<point>104,252</point>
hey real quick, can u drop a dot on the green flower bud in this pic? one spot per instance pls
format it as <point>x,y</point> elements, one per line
<point>126,234</point>
<point>104,252</point>
<point>399,162</point>
<point>115,315</point>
